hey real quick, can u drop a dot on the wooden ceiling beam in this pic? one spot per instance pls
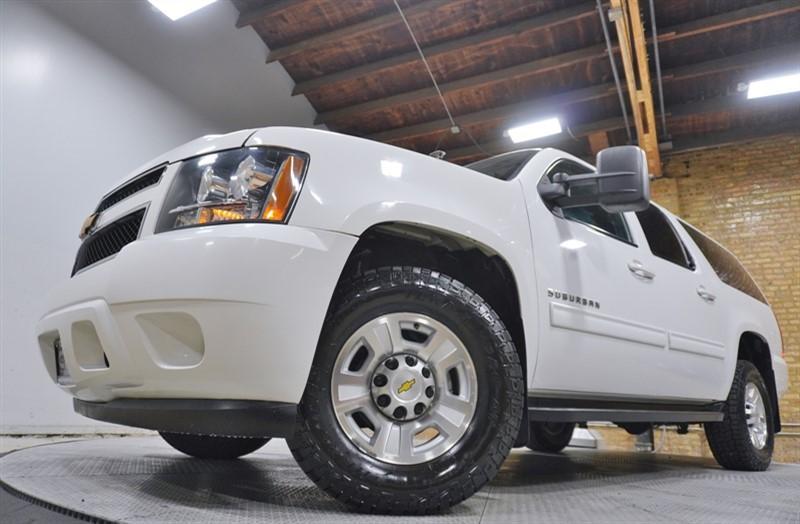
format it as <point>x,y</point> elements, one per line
<point>695,27</point>
<point>733,136</point>
<point>504,145</point>
<point>521,110</point>
<point>257,14</point>
<point>687,110</point>
<point>747,15</point>
<point>763,59</point>
<point>544,21</point>
<point>391,17</point>
<point>534,67</point>
<point>540,66</point>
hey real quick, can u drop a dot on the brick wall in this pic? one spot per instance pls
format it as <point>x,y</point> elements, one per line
<point>746,196</point>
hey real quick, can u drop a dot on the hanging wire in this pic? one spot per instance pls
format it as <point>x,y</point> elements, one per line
<point>454,127</point>
<point>614,70</point>
<point>425,61</point>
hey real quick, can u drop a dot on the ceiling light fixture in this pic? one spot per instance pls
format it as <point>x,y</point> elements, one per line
<point>176,9</point>
<point>538,129</point>
<point>777,85</point>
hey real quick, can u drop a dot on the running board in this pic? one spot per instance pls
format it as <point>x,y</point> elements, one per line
<point>552,410</point>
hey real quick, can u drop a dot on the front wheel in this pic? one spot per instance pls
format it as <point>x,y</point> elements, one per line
<point>550,437</point>
<point>415,396</point>
<point>745,438</point>
<point>208,447</point>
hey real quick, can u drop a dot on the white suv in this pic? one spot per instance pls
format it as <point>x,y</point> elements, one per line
<point>402,321</point>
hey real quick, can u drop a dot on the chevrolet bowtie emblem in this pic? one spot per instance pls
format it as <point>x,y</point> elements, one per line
<point>406,386</point>
<point>87,225</point>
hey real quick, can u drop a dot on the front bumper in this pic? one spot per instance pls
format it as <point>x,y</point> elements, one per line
<point>226,312</point>
<point>225,418</point>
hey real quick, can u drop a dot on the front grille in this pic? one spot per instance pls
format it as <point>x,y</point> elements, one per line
<point>108,240</point>
<point>143,181</point>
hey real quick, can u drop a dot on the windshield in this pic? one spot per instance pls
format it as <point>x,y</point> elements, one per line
<point>505,166</point>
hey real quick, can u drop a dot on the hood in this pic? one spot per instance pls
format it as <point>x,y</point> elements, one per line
<point>198,146</point>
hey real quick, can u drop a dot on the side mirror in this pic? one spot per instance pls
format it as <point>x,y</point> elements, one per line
<point>621,183</point>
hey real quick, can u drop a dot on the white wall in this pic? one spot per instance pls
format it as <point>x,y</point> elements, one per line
<point>74,118</point>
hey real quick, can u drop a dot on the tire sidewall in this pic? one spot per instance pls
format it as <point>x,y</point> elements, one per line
<point>471,322</point>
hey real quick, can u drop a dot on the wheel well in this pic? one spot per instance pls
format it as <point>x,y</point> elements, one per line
<point>476,265</point>
<point>754,349</point>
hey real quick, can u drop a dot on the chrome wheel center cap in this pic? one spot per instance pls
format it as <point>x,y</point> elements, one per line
<point>403,387</point>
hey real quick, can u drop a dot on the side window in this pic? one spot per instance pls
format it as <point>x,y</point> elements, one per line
<point>663,240</point>
<point>726,266</point>
<point>612,224</point>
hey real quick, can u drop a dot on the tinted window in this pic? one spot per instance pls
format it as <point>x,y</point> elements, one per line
<point>662,238</point>
<point>595,216</point>
<point>504,167</point>
<point>727,267</point>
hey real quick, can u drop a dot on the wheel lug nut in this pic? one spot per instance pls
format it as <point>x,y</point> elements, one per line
<point>380,380</point>
<point>392,364</point>
<point>384,401</point>
<point>426,372</point>
<point>400,412</point>
<point>419,408</point>
<point>411,361</point>
<point>429,392</point>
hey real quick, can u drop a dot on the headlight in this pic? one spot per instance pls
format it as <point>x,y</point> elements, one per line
<point>240,185</point>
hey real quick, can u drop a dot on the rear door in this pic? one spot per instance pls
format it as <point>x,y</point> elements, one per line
<point>684,300</point>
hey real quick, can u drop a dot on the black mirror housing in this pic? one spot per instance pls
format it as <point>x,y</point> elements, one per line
<point>621,183</point>
<point>624,181</point>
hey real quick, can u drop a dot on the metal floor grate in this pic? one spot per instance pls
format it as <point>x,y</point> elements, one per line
<point>142,480</point>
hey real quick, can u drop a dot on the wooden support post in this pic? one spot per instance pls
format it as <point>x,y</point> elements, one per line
<point>598,141</point>
<point>633,48</point>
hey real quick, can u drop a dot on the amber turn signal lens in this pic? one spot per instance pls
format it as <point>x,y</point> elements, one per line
<point>284,189</point>
<point>217,214</point>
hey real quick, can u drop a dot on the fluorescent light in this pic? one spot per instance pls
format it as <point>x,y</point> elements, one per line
<point>175,9</point>
<point>777,85</point>
<point>549,126</point>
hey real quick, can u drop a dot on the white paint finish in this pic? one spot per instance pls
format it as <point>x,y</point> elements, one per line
<point>75,119</point>
<point>737,313</point>
<point>349,189</point>
<point>213,67</point>
<point>569,359</point>
<point>239,282</point>
<point>577,319</point>
<point>274,282</point>
<point>697,346</point>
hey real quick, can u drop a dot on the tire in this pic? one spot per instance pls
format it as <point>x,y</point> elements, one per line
<point>208,447</point>
<point>730,440</point>
<point>371,482</point>
<point>550,437</point>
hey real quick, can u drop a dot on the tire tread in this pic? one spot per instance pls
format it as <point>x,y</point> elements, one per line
<point>729,440</point>
<point>355,493</point>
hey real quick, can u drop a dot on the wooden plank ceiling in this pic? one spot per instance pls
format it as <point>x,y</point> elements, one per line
<point>505,62</point>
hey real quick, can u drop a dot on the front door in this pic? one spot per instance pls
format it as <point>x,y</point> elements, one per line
<point>598,335</point>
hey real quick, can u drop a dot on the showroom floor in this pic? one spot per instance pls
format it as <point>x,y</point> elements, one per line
<point>141,479</point>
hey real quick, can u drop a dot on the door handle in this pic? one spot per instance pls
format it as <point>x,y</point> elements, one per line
<point>706,294</point>
<point>638,269</point>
